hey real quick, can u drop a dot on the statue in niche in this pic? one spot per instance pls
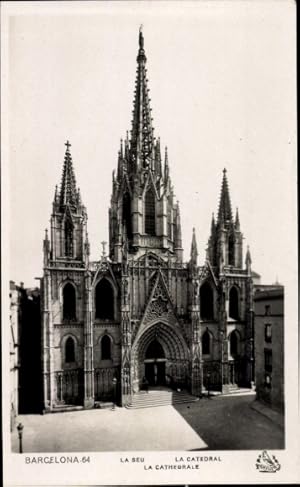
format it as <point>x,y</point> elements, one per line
<point>125,291</point>
<point>196,286</point>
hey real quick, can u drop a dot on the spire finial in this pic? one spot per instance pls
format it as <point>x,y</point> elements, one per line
<point>141,37</point>
<point>141,55</point>
<point>68,145</point>
<point>248,259</point>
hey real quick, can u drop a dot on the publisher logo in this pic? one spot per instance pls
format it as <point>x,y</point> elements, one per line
<point>267,463</point>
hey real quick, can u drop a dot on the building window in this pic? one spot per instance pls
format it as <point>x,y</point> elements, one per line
<point>104,300</point>
<point>68,238</point>
<point>69,302</point>
<point>268,361</point>
<point>234,343</point>
<point>234,303</point>
<point>267,310</point>
<point>206,343</point>
<point>268,333</point>
<point>150,213</point>
<point>231,250</point>
<point>206,302</point>
<point>105,348</point>
<point>70,350</point>
<point>268,368</point>
<point>127,215</point>
<point>268,381</point>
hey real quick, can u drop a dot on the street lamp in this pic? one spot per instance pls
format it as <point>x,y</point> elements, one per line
<point>114,382</point>
<point>20,433</point>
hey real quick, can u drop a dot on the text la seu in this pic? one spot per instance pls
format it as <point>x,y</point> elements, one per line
<point>142,460</point>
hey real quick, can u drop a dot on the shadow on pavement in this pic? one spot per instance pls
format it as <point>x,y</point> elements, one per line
<point>230,423</point>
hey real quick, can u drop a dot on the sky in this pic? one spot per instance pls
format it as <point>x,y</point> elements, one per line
<point>222,82</point>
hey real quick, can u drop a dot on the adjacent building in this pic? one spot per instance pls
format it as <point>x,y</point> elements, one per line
<point>14,352</point>
<point>269,345</point>
<point>141,314</point>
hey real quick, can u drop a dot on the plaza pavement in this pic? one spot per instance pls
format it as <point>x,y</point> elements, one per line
<point>216,423</point>
<point>158,428</point>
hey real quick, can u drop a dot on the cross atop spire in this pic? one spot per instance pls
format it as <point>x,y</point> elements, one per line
<point>225,213</point>
<point>68,145</point>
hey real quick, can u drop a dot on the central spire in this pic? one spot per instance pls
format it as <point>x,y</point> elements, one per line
<point>142,139</point>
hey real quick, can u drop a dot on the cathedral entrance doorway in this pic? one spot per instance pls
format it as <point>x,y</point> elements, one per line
<point>160,358</point>
<point>155,364</point>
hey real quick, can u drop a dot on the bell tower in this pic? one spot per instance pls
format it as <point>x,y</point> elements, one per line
<point>143,208</point>
<point>66,304</point>
<point>225,245</point>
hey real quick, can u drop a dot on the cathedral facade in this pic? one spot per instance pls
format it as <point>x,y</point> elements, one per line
<point>141,315</point>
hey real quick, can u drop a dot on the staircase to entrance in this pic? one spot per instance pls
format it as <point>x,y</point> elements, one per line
<point>159,396</point>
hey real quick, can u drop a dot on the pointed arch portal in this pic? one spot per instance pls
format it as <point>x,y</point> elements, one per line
<point>161,357</point>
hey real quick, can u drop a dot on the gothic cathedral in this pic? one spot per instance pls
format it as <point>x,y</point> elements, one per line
<point>141,315</point>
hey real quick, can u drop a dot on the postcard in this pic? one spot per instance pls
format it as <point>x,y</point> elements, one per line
<point>149,223</point>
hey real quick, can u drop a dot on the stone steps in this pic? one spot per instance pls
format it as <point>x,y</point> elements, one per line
<point>155,398</point>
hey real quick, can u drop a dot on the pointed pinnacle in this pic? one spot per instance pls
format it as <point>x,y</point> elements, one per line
<point>248,259</point>
<point>194,250</point>
<point>237,219</point>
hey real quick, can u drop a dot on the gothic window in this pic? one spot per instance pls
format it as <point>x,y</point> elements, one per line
<point>70,350</point>
<point>104,300</point>
<point>127,215</point>
<point>234,303</point>
<point>68,238</point>
<point>206,302</point>
<point>150,212</point>
<point>105,348</point>
<point>231,250</point>
<point>206,343</point>
<point>69,302</point>
<point>234,343</point>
